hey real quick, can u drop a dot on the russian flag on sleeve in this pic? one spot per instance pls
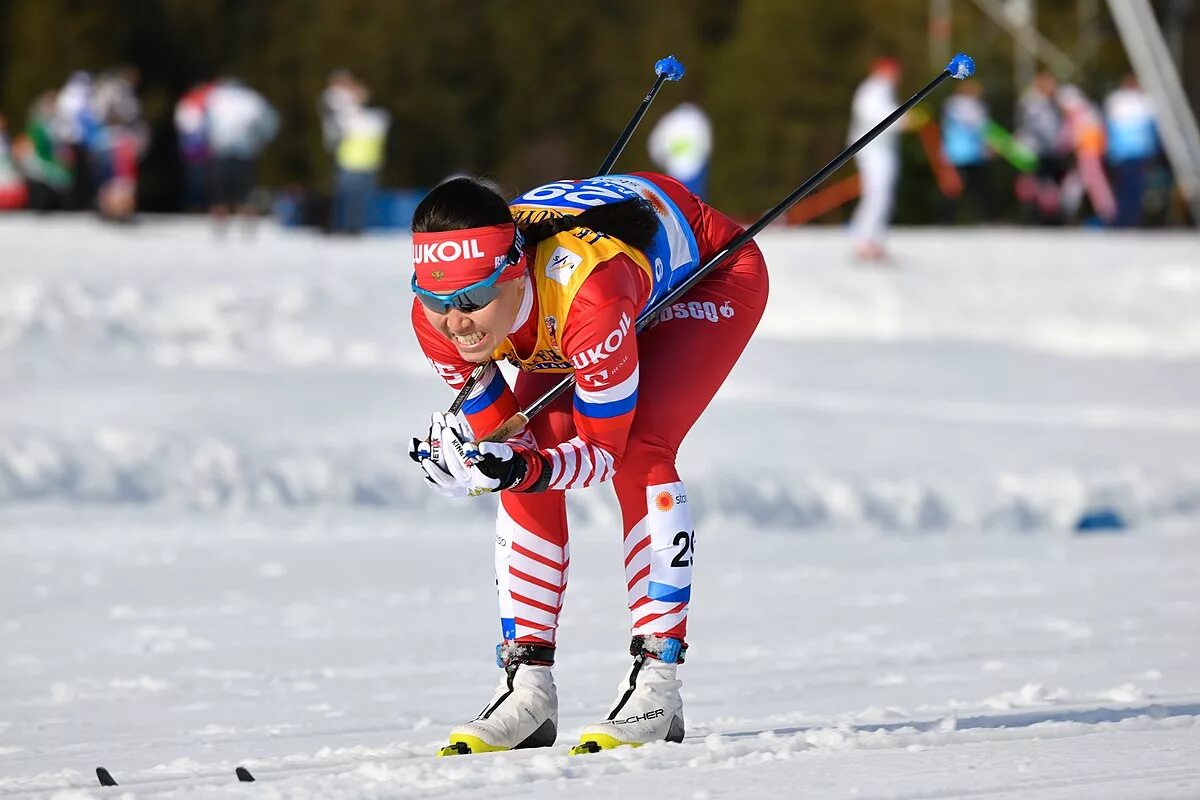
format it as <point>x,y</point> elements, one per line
<point>490,403</point>
<point>607,409</point>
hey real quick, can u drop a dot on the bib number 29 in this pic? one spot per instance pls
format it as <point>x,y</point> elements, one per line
<point>686,542</point>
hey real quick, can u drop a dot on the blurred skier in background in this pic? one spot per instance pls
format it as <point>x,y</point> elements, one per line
<point>13,192</point>
<point>964,123</point>
<point>1133,147</point>
<point>341,93</point>
<point>1041,128</point>
<point>681,146</point>
<point>356,137</point>
<point>191,130</point>
<point>41,158</point>
<point>119,140</point>
<point>1083,127</point>
<point>75,127</point>
<point>241,123</point>
<point>879,162</point>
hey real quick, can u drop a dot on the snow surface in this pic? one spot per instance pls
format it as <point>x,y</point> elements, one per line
<point>214,552</point>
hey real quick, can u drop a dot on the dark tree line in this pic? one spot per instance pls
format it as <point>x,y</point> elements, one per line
<point>529,90</point>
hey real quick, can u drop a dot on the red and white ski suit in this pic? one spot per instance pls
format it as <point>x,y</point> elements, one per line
<point>632,407</point>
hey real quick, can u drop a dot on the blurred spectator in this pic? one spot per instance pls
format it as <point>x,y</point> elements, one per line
<point>1132,147</point>
<point>41,158</point>
<point>118,143</point>
<point>191,128</point>
<point>681,144</point>
<point>964,128</point>
<point>342,92</point>
<point>1084,128</point>
<point>240,125</point>
<point>13,193</point>
<point>878,162</point>
<point>356,136</point>
<point>1040,128</point>
<point>75,127</point>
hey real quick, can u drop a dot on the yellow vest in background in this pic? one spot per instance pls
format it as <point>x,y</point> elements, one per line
<point>364,137</point>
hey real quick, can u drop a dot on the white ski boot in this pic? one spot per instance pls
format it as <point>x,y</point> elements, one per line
<point>522,713</point>
<point>648,706</point>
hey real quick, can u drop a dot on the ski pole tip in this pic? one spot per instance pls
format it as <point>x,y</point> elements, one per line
<point>670,67</point>
<point>961,67</point>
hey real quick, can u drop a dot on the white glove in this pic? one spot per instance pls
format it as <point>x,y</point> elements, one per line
<point>430,454</point>
<point>483,467</point>
<point>455,465</point>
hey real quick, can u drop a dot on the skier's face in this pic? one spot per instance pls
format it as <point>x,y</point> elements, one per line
<point>477,333</point>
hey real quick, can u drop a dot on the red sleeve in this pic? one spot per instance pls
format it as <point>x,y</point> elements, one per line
<point>490,403</point>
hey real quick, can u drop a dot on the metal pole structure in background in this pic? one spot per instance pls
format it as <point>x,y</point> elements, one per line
<point>1024,15</point>
<point>1147,50</point>
<point>1019,18</point>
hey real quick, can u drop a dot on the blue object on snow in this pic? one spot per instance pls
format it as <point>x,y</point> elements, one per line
<point>961,67</point>
<point>1100,520</point>
<point>669,67</point>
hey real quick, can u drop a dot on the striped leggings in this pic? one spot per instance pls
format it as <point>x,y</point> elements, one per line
<point>682,361</point>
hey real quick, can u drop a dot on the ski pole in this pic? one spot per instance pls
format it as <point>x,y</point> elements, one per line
<point>960,68</point>
<point>667,69</point>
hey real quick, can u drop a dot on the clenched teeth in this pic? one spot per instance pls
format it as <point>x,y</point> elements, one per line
<point>474,338</point>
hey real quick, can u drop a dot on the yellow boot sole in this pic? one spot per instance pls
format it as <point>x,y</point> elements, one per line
<point>464,745</point>
<point>596,742</point>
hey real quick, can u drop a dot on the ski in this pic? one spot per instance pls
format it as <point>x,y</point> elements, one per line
<point>589,746</point>
<point>106,779</point>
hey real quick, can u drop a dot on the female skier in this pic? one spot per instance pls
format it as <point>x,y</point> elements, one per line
<point>555,283</point>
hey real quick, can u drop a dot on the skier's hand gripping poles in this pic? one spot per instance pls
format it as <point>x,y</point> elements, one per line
<point>960,68</point>
<point>666,69</point>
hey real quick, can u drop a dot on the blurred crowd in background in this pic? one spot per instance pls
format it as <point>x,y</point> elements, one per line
<point>177,132</point>
<point>1070,159</point>
<point>81,146</point>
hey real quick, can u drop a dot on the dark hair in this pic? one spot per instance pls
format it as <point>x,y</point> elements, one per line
<point>472,203</point>
<point>460,203</point>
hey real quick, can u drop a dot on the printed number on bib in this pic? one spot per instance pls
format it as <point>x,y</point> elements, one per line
<point>686,542</point>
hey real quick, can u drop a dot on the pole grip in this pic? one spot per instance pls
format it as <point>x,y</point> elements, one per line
<point>508,429</point>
